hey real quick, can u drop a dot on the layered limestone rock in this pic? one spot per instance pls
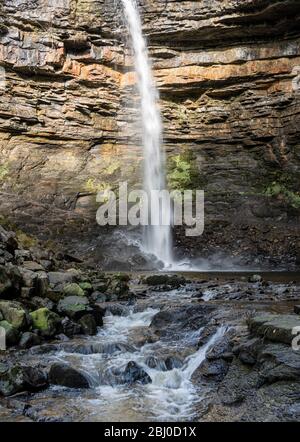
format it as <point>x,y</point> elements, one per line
<point>229,78</point>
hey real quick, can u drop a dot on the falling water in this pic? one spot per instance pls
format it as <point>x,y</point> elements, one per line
<point>157,238</point>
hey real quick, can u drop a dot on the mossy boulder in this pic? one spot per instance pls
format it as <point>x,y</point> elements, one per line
<point>86,287</point>
<point>45,321</point>
<point>117,285</point>
<point>14,313</point>
<point>74,307</point>
<point>73,289</point>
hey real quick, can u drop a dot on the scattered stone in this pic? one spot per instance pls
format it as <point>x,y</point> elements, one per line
<point>63,374</point>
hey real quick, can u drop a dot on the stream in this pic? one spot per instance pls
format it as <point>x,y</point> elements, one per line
<point>152,358</point>
<point>169,361</point>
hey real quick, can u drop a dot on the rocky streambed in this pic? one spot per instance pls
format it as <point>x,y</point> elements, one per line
<point>83,345</point>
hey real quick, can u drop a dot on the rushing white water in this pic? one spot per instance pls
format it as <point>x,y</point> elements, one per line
<point>157,238</point>
<point>179,377</point>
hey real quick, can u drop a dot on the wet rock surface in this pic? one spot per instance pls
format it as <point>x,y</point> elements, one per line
<point>228,76</point>
<point>64,375</point>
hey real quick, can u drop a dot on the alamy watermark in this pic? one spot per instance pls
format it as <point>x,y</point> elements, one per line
<point>154,208</point>
<point>2,339</point>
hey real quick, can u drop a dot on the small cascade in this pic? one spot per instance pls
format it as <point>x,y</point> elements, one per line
<point>157,238</point>
<point>177,377</point>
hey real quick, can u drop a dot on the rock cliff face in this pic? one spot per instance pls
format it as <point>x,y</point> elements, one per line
<point>229,78</point>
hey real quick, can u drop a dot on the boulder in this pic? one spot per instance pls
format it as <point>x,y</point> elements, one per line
<point>73,289</point>
<point>191,317</point>
<point>8,239</point>
<point>70,328</point>
<point>41,284</point>
<point>247,351</point>
<point>33,266</point>
<point>134,373</point>
<point>88,325</point>
<point>157,363</point>
<point>278,328</point>
<point>37,302</point>
<point>86,287</point>
<point>173,362</point>
<point>56,278</point>
<point>21,378</point>
<point>29,339</point>
<point>173,281</point>
<point>10,282</point>
<point>11,333</point>
<point>45,321</point>
<point>63,374</point>
<point>74,307</point>
<point>255,278</point>
<point>213,370</point>
<point>117,287</point>
<point>278,363</point>
<point>14,313</point>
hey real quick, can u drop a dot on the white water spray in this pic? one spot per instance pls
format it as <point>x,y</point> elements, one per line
<point>180,377</point>
<point>157,238</point>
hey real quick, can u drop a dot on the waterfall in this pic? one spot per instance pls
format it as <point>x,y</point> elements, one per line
<point>156,238</point>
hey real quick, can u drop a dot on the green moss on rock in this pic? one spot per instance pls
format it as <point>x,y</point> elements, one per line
<point>73,289</point>
<point>14,314</point>
<point>86,286</point>
<point>45,321</point>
